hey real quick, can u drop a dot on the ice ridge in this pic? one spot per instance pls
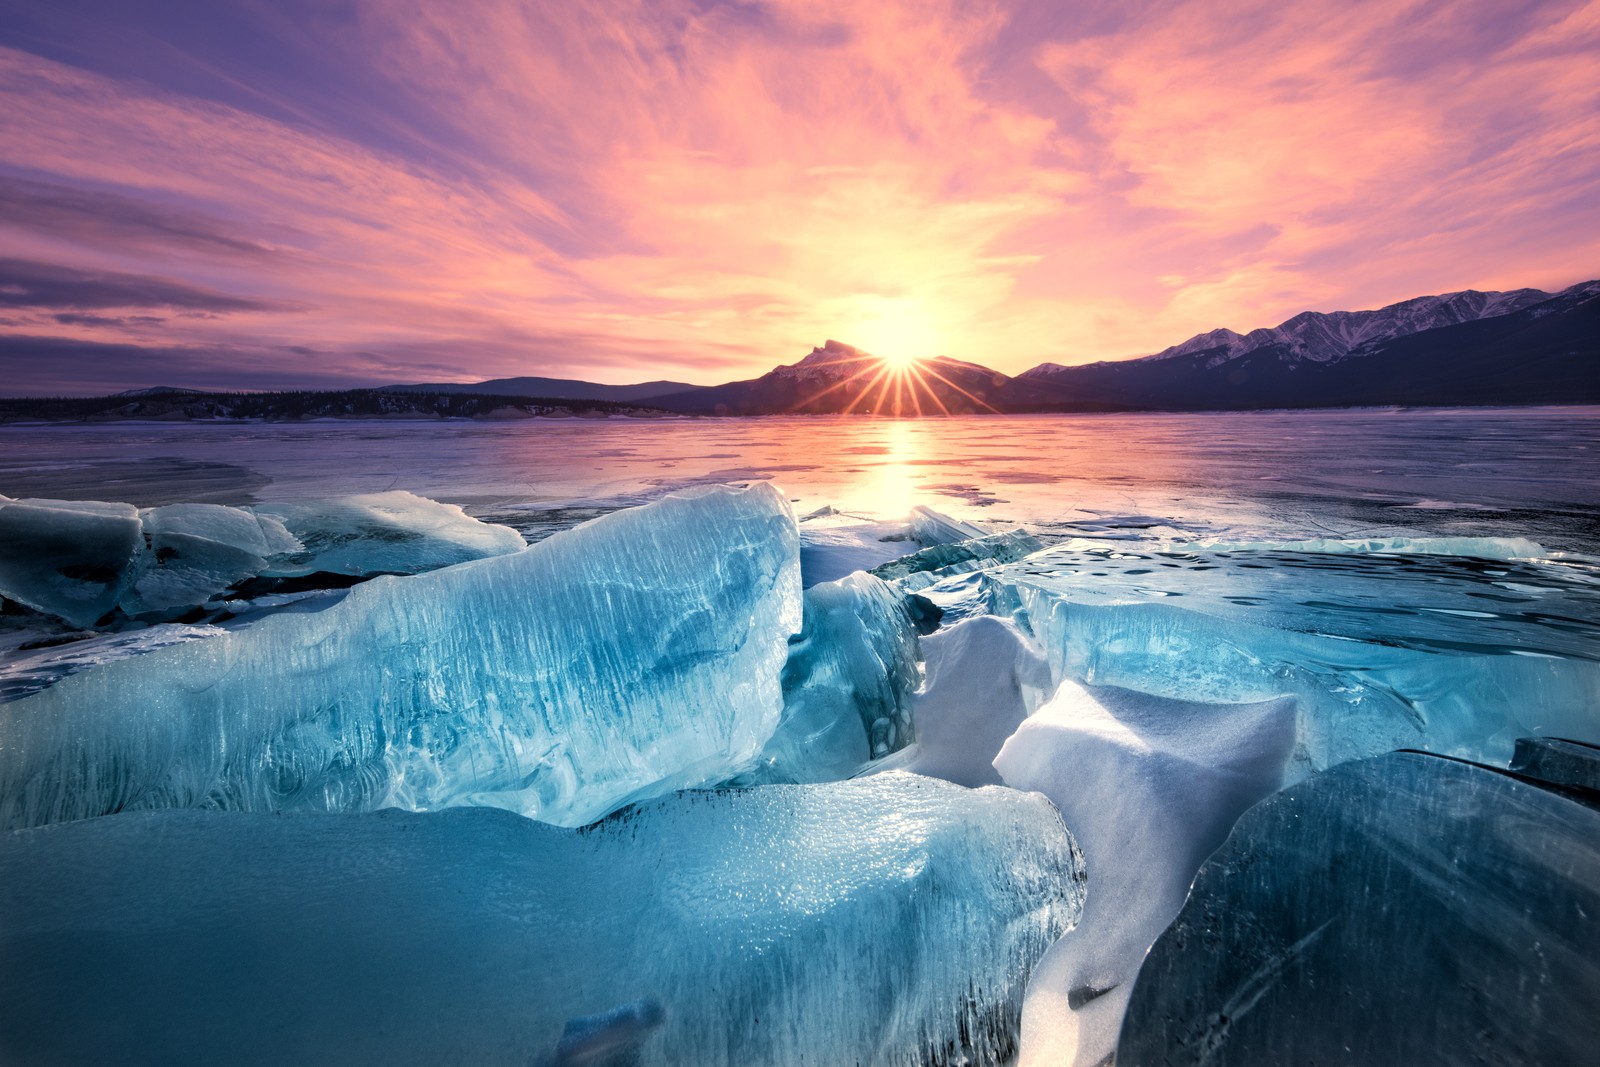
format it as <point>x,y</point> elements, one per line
<point>637,653</point>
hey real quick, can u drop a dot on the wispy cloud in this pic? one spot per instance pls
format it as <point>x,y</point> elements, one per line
<point>24,283</point>
<point>697,190</point>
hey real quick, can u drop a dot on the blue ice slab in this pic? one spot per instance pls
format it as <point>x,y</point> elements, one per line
<point>68,558</point>
<point>885,922</point>
<point>847,684</point>
<point>200,550</point>
<point>635,654</point>
<point>1451,654</point>
<point>1407,909</point>
<point>383,533</point>
<point>961,557</point>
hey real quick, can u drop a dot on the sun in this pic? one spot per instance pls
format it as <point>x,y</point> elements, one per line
<point>898,330</point>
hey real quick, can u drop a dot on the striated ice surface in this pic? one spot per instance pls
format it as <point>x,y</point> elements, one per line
<point>68,558</point>
<point>1405,909</point>
<point>887,922</point>
<point>984,677</point>
<point>847,684</point>
<point>637,653</point>
<point>1454,655</point>
<point>200,550</point>
<point>1151,787</point>
<point>384,533</point>
<point>30,663</point>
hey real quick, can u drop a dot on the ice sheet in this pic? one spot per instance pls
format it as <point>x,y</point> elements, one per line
<point>1454,655</point>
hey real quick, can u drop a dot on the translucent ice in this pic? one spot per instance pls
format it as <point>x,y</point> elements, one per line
<point>1455,655</point>
<point>888,922</point>
<point>960,557</point>
<point>68,558</point>
<point>1406,909</point>
<point>200,550</point>
<point>637,653</point>
<point>931,528</point>
<point>384,533</point>
<point>966,596</point>
<point>847,684</point>
<point>30,662</point>
<point>1150,787</point>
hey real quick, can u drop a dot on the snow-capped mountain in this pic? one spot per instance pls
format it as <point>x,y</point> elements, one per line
<point>1521,347</point>
<point>1325,336</point>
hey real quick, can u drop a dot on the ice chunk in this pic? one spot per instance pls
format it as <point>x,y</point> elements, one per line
<point>983,679</point>
<point>593,1038</point>
<point>68,558</point>
<point>1404,909</point>
<point>1150,787</point>
<point>847,684</point>
<point>1557,761</point>
<point>200,550</point>
<point>960,557</point>
<point>1452,655</point>
<point>637,653</point>
<point>929,528</point>
<point>884,922</point>
<point>965,596</point>
<point>384,533</point>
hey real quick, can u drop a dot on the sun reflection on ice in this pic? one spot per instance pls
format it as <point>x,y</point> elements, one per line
<point>893,492</point>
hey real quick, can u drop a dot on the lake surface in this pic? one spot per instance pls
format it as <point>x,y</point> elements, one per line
<point>1527,472</point>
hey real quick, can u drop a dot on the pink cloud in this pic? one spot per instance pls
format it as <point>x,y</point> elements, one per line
<point>638,190</point>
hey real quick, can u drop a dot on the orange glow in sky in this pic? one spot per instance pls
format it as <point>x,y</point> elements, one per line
<point>312,194</point>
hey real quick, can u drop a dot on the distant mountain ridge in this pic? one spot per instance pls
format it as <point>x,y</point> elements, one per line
<point>166,404</point>
<point>553,388</point>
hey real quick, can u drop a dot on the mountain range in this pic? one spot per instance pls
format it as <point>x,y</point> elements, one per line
<point>1520,347</point>
<point>1468,348</point>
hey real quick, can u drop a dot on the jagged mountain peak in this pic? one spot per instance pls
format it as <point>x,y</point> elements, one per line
<point>833,351</point>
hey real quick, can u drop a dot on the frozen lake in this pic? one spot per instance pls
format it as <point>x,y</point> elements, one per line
<point>1196,611</point>
<point>1526,472</point>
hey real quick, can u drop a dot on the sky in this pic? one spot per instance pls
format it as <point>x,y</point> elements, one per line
<point>275,193</point>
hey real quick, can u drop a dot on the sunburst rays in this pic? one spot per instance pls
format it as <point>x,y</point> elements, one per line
<point>894,387</point>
